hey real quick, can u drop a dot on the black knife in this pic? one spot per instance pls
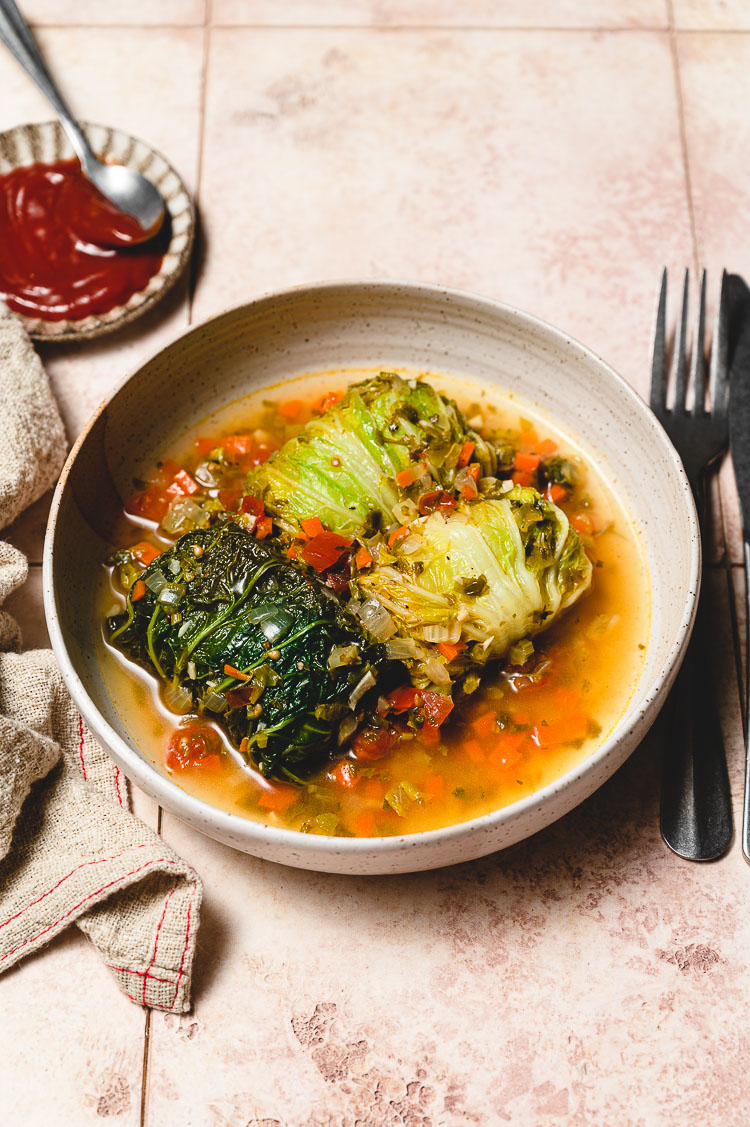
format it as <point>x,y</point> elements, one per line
<point>738,342</point>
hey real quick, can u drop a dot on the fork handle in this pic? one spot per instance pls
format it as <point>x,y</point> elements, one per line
<point>696,804</point>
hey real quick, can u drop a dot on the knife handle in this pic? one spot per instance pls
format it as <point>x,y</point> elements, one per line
<point>746,713</point>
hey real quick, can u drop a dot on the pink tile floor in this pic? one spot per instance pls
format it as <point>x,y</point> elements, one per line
<point>554,154</point>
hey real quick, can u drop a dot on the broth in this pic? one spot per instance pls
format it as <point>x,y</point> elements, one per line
<point>510,738</point>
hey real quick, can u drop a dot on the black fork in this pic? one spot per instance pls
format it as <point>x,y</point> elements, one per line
<point>696,811</point>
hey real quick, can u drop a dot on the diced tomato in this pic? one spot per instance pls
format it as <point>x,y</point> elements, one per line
<point>436,500</point>
<point>547,446</point>
<point>239,698</point>
<point>527,462</point>
<point>230,499</point>
<point>192,746</point>
<point>144,552</point>
<point>263,528</point>
<point>252,505</point>
<point>521,477</point>
<point>293,552</point>
<point>151,504</point>
<point>362,558</point>
<point>237,445</point>
<point>398,534</point>
<point>260,453</point>
<point>436,707</point>
<point>183,483</point>
<point>373,743</point>
<point>290,410</point>
<point>475,470</point>
<point>556,493</point>
<point>312,526</point>
<point>407,477</point>
<point>324,550</point>
<point>137,591</point>
<point>278,798</point>
<point>449,650</point>
<point>204,446</point>
<point>346,774</point>
<point>339,576</point>
<point>465,456</point>
<point>403,698</point>
<point>363,825</point>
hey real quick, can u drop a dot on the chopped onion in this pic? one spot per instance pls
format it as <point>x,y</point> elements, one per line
<point>466,480</point>
<point>184,514</point>
<point>347,728</point>
<point>506,486</point>
<point>401,648</point>
<point>343,655</point>
<point>274,622</point>
<point>411,544</point>
<point>377,620</point>
<point>170,594</point>
<point>450,633</point>
<point>192,672</point>
<point>156,582</point>
<point>204,474</point>
<point>361,688</point>
<point>405,511</point>
<point>178,698</point>
<point>174,566</point>
<point>215,702</point>
<point>436,671</point>
<point>458,518</point>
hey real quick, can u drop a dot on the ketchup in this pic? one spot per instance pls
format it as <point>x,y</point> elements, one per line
<point>65,251</point>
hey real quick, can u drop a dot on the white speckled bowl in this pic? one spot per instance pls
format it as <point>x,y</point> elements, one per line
<point>46,143</point>
<point>353,324</point>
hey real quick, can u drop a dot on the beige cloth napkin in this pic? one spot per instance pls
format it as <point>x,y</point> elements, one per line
<point>70,851</point>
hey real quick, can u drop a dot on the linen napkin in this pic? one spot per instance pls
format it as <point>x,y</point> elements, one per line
<point>70,850</point>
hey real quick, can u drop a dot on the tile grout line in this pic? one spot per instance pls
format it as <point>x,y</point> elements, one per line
<point>683,133</point>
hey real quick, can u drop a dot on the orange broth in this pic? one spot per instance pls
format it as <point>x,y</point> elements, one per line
<point>510,738</point>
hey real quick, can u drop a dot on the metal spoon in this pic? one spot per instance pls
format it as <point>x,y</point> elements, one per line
<point>127,189</point>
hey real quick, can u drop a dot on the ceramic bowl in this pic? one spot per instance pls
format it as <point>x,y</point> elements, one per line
<point>358,324</point>
<point>46,143</point>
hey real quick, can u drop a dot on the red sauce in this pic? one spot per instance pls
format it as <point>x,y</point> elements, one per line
<point>65,251</point>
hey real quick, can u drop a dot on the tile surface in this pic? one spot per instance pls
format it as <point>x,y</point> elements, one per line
<point>586,976</point>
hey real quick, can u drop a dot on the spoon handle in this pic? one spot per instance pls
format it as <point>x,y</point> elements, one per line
<point>17,37</point>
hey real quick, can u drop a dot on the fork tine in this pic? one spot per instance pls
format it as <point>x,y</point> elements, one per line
<point>678,362</point>
<point>719,381</point>
<point>698,355</point>
<point>658,394</point>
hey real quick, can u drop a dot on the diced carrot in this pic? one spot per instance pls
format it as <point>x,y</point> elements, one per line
<point>328,400</point>
<point>450,650</point>
<point>527,462</point>
<point>568,699</point>
<point>508,749</point>
<point>289,410</point>
<point>362,558</point>
<point>568,729</point>
<point>260,453</point>
<point>204,446</point>
<point>311,526</point>
<point>346,774</point>
<point>237,445</point>
<point>372,788</point>
<point>475,470</point>
<point>324,550</point>
<point>556,493</point>
<point>466,451</point>
<point>144,552</point>
<point>468,491</point>
<point>363,825</point>
<point>529,438</point>
<point>433,785</point>
<point>520,477</point>
<point>407,477</point>
<point>484,724</point>
<point>293,552</point>
<point>582,523</point>
<point>236,673</point>
<point>137,591</point>
<point>546,446</point>
<point>263,528</point>
<point>474,751</point>
<point>279,799</point>
<point>398,534</point>
<point>430,735</point>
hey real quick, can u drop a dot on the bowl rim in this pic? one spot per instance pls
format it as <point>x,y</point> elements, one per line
<point>185,805</point>
<point>177,203</point>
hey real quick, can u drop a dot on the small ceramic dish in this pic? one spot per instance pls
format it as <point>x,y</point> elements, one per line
<point>46,143</point>
<point>357,325</point>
